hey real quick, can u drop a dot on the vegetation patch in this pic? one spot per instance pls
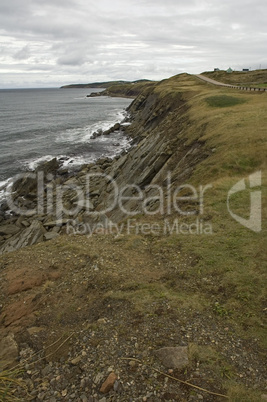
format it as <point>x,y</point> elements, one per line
<point>239,77</point>
<point>224,101</point>
<point>8,384</point>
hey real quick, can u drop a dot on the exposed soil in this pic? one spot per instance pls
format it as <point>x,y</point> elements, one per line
<point>81,308</point>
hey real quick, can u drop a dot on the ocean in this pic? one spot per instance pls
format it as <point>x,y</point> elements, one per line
<point>37,125</point>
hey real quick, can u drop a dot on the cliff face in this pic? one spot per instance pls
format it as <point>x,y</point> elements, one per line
<point>177,139</point>
<point>159,129</point>
<point>128,90</point>
<point>161,145</point>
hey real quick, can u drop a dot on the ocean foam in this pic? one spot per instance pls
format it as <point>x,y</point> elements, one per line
<point>76,161</point>
<point>33,164</point>
<point>114,144</point>
<point>84,134</point>
<point>3,186</point>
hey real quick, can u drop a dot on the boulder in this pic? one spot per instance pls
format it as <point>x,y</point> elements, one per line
<point>51,166</point>
<point>107,132</point>
<point>97,133</point>
<point>27,237</point>
<point>9,229</point>
<point>50,235</point>
<point>93,95</point>
<point>116,127</point>
<point>173,357</point>
<point>25,223</point>
<point>58,222</point>
<point>22,222</point>
<point>25,185</point>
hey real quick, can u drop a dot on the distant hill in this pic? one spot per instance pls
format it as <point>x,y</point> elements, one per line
<point>103,84</point>
<point>127,89</point>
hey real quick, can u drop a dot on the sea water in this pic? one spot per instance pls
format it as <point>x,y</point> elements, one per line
<point>37,125</point>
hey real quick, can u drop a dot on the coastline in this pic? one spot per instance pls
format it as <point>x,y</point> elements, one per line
<point>16,228</point>
<point>145,258</point>
<point>52,123</point>
<point>74,161</point>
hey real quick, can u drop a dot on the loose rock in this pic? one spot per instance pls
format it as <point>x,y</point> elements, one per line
<point>108,384</point>
<point>173,357</point>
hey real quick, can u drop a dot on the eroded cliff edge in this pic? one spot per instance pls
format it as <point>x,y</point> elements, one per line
<point>161,143</point>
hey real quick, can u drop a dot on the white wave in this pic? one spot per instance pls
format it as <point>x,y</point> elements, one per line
<point>22,141</point>
<point>84,134</point>
<point>2,196</point>
<point>4,183</point>
<point>66,161</point>
<point>33,164</point>
<point>114,144</point>
<point>3,187</point>
<point>78,160</point>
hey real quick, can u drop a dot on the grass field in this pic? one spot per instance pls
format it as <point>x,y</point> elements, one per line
<point>250,78</point>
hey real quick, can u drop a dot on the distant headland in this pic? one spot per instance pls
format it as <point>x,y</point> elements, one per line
<point>103,84</point>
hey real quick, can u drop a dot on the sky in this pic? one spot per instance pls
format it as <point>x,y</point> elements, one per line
<point>49,43</point>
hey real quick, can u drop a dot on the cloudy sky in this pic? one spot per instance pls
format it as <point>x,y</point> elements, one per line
<point>47,43</point>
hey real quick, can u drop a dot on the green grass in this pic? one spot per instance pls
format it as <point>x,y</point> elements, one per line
<point>8,384</point>
<point>224,101</point>
<point>239,393</point>
<point>129,89</point>
<point>264,85</point>
<point>249,78</point>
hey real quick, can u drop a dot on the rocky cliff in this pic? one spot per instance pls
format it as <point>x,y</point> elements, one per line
<point>165,296</point>
<point>159,123</point>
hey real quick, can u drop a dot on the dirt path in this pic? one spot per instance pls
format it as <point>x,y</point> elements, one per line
<point>202,77</point>
<point>241,87</point>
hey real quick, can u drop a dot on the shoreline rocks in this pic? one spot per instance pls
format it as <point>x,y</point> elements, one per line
<point>21,229</point>
<point>156,148</point>
<point>100,132</point>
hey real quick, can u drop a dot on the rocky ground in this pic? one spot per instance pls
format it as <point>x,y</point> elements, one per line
<point>81,312</point>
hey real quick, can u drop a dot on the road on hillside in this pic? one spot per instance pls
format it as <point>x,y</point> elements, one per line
<point>202,77</point>
<point>221,84</point>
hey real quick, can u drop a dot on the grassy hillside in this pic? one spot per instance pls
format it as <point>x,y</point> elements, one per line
<point>149,286</point>
<point>128,90</point>
<point>249,78</point>
<point>234,141</point>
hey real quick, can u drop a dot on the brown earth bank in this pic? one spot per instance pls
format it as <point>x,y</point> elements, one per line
<point>137,309</point>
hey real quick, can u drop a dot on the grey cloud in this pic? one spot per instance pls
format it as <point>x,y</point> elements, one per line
<point>23,54</point>
<point>129,39</point>
<point>72,59</point>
